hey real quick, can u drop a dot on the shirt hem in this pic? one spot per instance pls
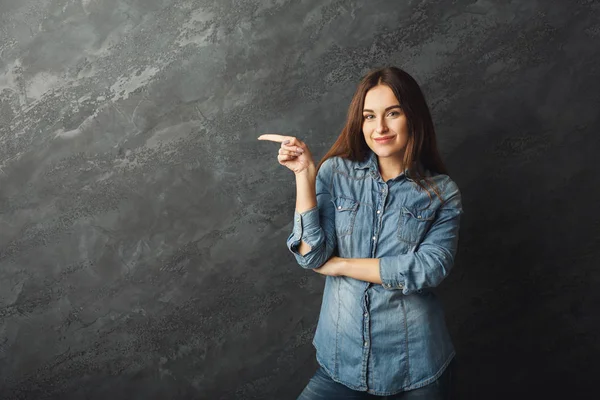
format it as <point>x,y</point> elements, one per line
<point>413,386</point>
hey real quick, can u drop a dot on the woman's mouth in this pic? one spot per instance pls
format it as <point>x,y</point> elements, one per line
<point>385,139</point>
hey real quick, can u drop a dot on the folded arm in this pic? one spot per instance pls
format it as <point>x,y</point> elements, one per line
<point>425,268</point>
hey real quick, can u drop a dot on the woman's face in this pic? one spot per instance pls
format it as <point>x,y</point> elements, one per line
<point>383,117</point>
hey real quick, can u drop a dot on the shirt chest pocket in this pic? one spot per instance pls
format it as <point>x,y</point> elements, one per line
<point>345,215</point>
<point>413,224</point>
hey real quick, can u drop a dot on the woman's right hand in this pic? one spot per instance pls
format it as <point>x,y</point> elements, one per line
<point>293,153</point>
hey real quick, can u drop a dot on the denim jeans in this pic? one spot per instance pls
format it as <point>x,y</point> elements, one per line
<point>322,387</point>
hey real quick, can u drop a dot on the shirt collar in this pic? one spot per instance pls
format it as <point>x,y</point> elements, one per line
<point>369,161</point>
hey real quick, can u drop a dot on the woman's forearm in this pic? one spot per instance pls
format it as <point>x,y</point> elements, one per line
<point>364,269</point>
<point>306,197</point>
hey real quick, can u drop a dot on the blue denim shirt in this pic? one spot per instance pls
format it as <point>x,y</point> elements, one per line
<point>390,337</point>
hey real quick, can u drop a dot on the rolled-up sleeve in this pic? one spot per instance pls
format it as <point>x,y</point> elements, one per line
<point>431,263</point>
<point>316,227</point>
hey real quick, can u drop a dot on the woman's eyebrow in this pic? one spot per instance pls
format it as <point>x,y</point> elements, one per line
<point>388,108</point>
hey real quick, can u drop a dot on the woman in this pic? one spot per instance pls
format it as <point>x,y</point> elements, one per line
<point>380,218</point>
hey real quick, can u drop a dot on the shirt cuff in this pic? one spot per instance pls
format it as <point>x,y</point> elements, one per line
<point>306,226</point>
<point>391,278</point>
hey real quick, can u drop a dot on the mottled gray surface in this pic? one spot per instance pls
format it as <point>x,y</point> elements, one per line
<point>143,226</point>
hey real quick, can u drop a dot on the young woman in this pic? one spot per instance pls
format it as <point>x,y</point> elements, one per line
<point>380,218</point>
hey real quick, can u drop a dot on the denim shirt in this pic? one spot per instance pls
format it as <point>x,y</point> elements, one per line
<point>390,337</point>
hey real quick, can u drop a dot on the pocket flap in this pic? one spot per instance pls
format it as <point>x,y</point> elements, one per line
<point>345,204</point>
<point>426,214</point>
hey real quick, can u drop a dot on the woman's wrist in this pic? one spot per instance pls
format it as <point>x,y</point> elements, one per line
<point>309,172</point>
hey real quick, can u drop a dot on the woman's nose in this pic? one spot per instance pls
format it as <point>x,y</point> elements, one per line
<point>381,126</point>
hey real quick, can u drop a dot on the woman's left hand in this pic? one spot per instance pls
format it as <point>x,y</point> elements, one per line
<point>332,267</point>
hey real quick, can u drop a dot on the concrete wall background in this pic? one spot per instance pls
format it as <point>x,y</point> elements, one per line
<point>143,226</point>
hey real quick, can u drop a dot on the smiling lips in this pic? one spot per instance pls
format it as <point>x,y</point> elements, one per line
<point>385,139</point>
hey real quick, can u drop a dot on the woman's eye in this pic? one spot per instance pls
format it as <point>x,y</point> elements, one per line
<point>367,116</point>
<point>394,113</point>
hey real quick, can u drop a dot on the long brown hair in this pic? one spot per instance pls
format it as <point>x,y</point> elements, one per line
<point>421,150</point>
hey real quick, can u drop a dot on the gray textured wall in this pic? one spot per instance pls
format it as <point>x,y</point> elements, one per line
<point>143,226</point>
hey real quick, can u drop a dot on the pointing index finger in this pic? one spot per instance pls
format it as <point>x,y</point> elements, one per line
<point>273,137</point>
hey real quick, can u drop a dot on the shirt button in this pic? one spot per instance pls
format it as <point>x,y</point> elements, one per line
<point>366,314</point>
<point>366,344</point>
<point>419,217</point>
<point>298,219</point>
<point>374,237</point>
<point>378,211</point>
<point>339,207</point>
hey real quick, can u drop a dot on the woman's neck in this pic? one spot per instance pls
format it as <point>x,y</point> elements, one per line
<point>390,167</point>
